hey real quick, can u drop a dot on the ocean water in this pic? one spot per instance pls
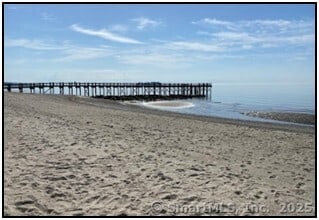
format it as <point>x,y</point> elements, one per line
<point>231,100</point>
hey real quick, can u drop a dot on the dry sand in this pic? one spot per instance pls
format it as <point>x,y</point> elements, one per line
<point>79,156</point>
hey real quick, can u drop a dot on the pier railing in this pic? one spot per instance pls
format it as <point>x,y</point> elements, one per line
<point>111,90</point>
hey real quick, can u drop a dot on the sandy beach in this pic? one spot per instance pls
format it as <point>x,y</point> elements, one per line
<point>74,156</point>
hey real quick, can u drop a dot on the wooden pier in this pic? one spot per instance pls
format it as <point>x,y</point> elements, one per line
<point>116,90</point>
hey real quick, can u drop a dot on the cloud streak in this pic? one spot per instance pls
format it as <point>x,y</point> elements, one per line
<point>232,40</point>
<point>118,28</point>
<point>82,53</point>
<point>255,24</point>
<point>32,44</point>
<point>194,46</point>
<point>252,34</point>
<point>66,52</point>
<point>216,22</point>
<point>143,23</point>
<point>265,41</point>
<point>105,34</point>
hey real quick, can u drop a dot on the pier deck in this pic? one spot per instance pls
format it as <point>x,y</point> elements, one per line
<point>115,90</point>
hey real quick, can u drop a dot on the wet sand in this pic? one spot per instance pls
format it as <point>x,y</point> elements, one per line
<point>81,156</point>
<point>287,117</point>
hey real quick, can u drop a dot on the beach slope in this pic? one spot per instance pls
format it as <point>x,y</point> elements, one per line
<point>79,156</point>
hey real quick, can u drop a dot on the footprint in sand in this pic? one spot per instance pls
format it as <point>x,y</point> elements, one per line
<point>163,177</point>
<point>170,197</point>
<point>258,195</point>
<point>191,199</point>
<point>31,205</point>
<point>299,185</point>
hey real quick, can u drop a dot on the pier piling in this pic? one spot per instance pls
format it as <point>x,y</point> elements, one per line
<point>117,90</point>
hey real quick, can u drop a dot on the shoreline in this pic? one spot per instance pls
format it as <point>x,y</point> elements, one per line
<point>127,106</point>
<point>77,156</point>
<point>294,127</point>
<point>288,125</point>
<point>298,118</point>
<point>275,118</point>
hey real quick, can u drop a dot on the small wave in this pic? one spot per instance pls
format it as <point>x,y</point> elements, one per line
<point>168,104</point>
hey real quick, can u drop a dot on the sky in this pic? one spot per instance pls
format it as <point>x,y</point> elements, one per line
<point>219,43</point>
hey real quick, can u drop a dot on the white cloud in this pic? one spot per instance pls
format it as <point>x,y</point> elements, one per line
<point>211,57</point>
<point>218,44</point>
<point>118,28</point>
<point>144,22</point>
<point>217,22</point>
<point>79,75</point>
<point>105,34</point>
<point>280,22</point>
<point>68,51</point>
<point>152,58</point>
<point>32,44</point>
<point>266,40</point>
<point>142,59</point>
<point>247,46</point>
<point>248,34</point>
<point>155,55</point>
<point>213,21</point>
<point>299,39</point>
<point>235,36</point>
<point>269,45</point>
<point>82,53</point>
<point>263,25</point>
<point>195,46</point>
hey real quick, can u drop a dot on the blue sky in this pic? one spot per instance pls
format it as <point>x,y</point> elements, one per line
<point>219,43</point>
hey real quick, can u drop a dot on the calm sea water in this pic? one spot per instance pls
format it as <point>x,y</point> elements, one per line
<point>230,101</point>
